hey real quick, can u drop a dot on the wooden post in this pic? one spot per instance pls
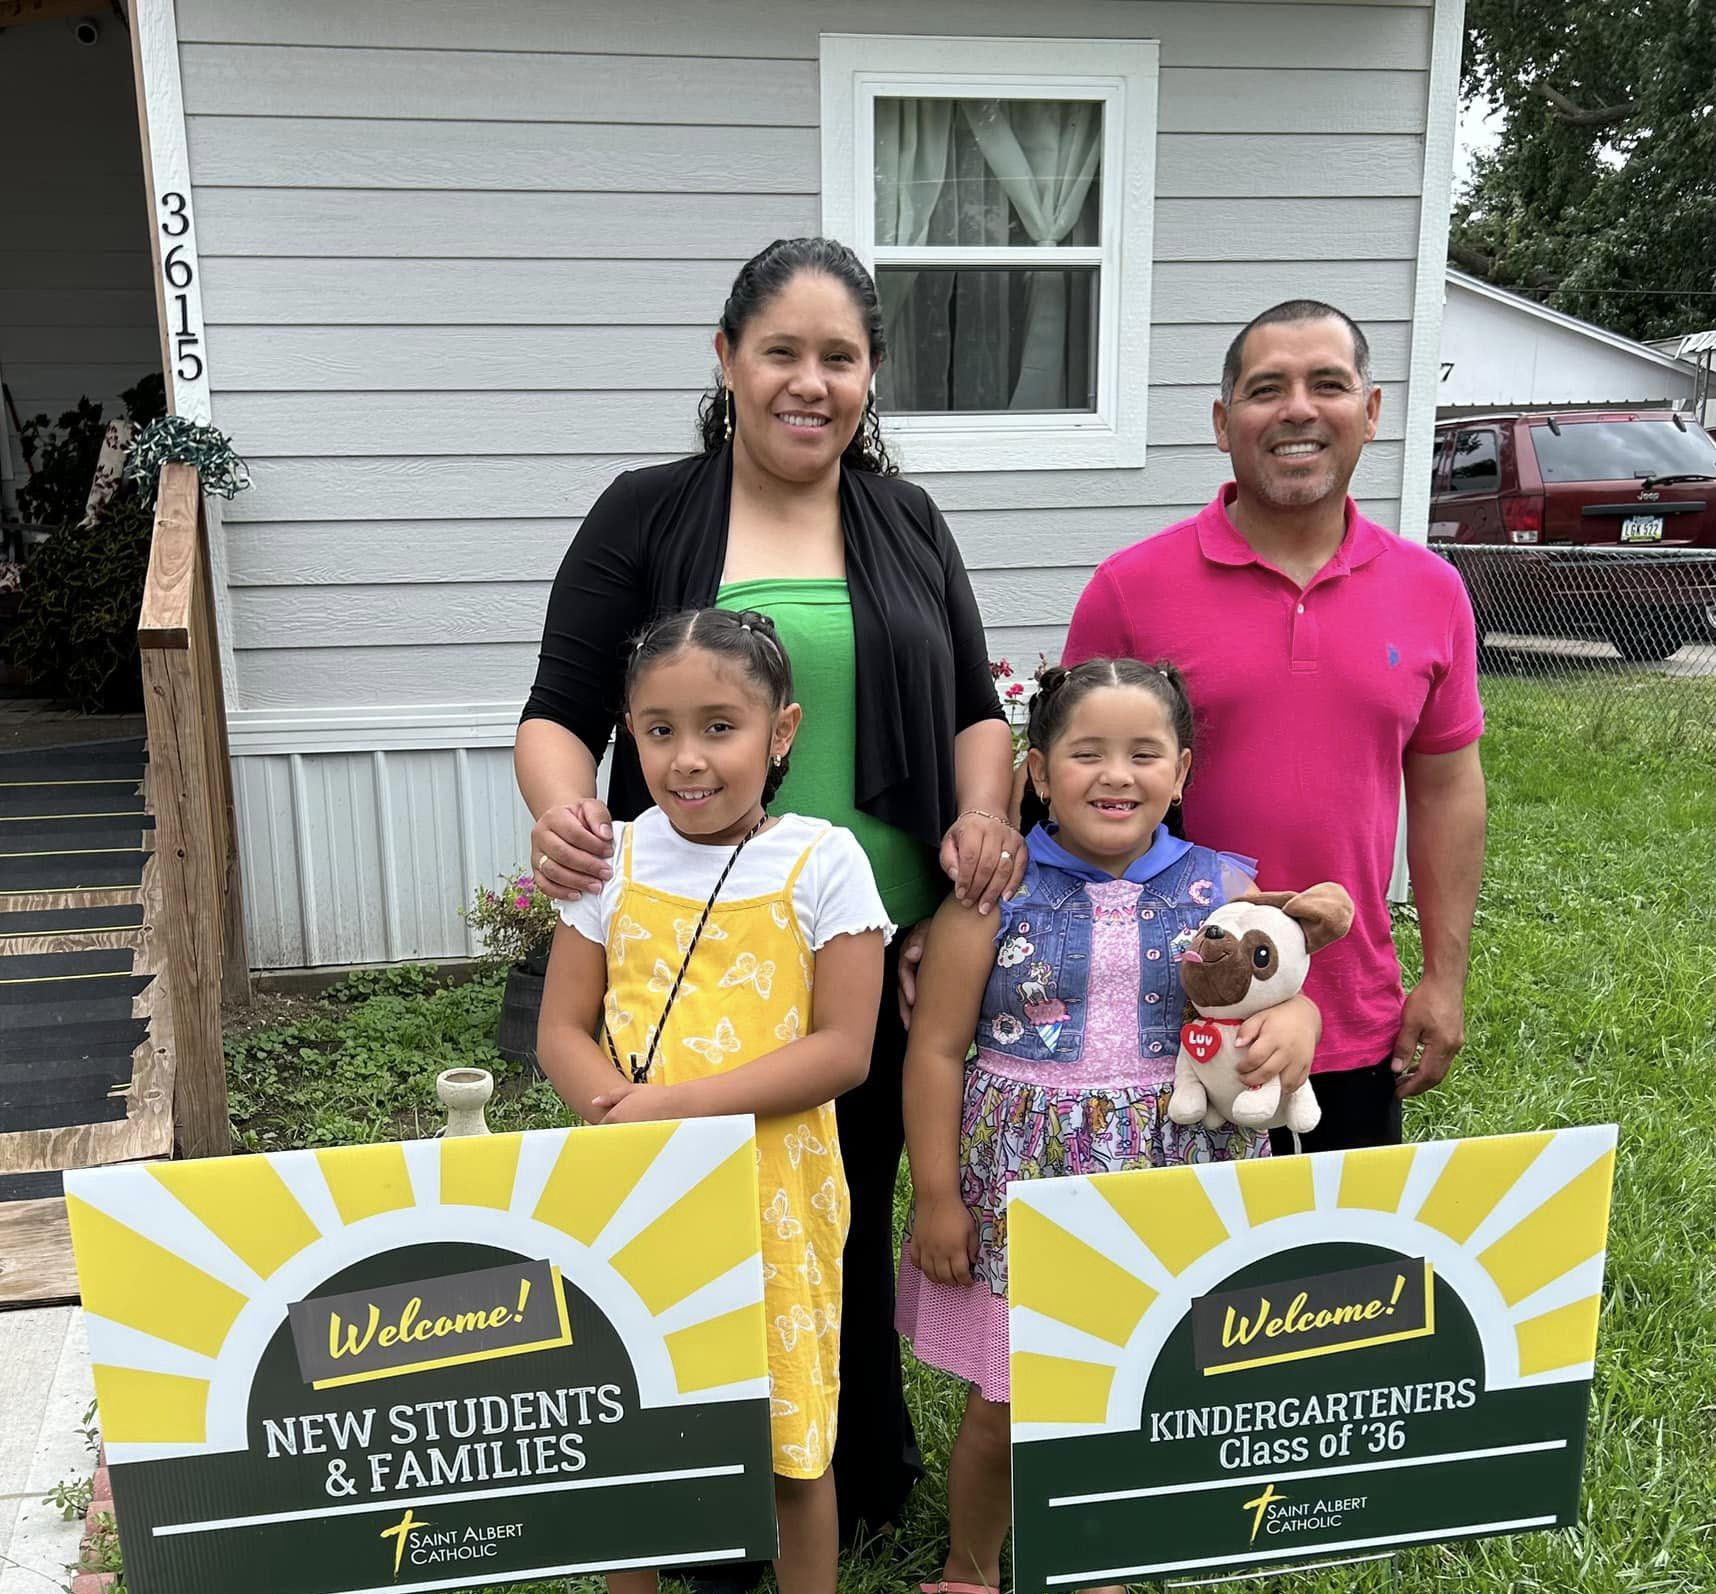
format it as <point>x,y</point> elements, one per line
<point>173,634</point>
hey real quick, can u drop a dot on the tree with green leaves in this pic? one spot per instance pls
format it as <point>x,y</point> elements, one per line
<point>1600,198</point>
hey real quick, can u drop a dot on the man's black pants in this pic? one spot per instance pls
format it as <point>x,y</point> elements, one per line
<point>1359,1109</point>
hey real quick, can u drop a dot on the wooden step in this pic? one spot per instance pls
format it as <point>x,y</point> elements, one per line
<point>86,1037</point>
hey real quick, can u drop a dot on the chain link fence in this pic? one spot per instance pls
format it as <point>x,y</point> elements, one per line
<point>1625,637</point>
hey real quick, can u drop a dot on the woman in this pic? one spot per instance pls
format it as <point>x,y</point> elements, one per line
<point>793,508</point>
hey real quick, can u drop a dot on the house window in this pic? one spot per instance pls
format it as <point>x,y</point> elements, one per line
<point>1000,190</point>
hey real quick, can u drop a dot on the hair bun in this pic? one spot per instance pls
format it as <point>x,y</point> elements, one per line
<point>1051,677</point>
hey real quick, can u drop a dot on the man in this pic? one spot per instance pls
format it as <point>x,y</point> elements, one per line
<point>1328,660</point>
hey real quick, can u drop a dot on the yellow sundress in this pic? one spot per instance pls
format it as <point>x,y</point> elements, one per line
<point>747,992</point>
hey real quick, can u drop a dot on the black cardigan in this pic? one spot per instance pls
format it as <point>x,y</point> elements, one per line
<point>656,541</point>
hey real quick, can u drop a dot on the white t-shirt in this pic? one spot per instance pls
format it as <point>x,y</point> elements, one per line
<point>835,893</point>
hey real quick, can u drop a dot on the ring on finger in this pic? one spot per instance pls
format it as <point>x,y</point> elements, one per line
<point>542,862</point>
<point>1006,856</point>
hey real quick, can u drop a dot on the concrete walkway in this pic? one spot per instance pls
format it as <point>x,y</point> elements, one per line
<point>45,1389</point>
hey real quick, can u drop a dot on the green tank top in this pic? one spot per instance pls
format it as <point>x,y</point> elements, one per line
<point>814,619</point>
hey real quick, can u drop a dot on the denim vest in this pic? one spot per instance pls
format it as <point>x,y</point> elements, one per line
<point>1034,1004</point>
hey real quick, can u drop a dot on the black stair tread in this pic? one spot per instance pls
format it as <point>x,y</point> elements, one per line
<point>45,1088</point>
<point>106,797</point>
<point>113,1058</point>
<point>73,833</point>
<point>71,921</point>
<point>86,757</point>
<point>23,1009</point>
<point>74,871</point>
<point>24,1013</point>
<point>71,1042</point>
<point>61,965</point>
<point>32,1186</point>
<point>62,1082</point>
<point>61,1115</point>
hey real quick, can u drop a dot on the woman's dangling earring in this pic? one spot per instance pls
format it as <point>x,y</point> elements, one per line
<point>729,393</point>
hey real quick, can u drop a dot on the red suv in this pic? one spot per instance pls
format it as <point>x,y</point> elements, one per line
<point>1603,513</point>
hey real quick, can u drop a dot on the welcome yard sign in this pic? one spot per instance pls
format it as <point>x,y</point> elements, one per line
<point>1286,1361</point>
<point>433,1365</point>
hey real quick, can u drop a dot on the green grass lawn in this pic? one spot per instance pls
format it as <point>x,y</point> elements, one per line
<point>1593,968</point>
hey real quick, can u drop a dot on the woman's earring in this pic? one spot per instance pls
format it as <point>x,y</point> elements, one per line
<point>1174,801</point>
<point>729,392</point>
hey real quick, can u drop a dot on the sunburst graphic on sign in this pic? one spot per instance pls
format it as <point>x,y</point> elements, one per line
<point>188,1268</point>
<point>1103,1269</point>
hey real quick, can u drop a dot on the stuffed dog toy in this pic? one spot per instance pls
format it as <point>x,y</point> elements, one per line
<point>1250,954</point>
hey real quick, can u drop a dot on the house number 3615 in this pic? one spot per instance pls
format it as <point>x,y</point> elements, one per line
<point>180,274</point>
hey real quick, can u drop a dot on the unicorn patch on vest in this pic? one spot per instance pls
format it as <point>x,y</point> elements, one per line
<point>1044,1011</point>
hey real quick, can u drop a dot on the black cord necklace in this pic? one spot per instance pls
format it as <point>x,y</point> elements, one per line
<point>640,1074</point>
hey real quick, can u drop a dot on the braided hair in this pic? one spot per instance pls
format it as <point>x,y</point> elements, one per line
<point>1060,691</point>
<point>759,281</point>
<point>743,635</point>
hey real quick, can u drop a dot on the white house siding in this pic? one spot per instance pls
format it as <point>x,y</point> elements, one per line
<point>459,268</point>
<point>77,311</point>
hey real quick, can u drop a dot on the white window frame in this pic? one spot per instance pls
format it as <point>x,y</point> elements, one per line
<point>857,70</point>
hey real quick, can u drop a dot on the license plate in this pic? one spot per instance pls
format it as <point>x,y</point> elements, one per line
<point>1641,528</point>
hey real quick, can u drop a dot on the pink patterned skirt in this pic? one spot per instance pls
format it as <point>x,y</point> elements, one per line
<point>1039,1121</point>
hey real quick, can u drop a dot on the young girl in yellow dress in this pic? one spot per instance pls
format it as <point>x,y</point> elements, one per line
<point>733,964</point>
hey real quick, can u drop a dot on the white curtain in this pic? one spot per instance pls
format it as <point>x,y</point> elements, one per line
<point>962,340</point>
<point>1045,154</point>
<point>913,141</point>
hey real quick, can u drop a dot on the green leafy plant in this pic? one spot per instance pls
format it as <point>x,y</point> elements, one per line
<point>61,455</point>
<point>516,923</point>
<point>364,1068</point>
<point>396,979</point>
<point>76,633</point>
<point>101,1551</point>
<point>75,636</point>
<point>72,1497</point>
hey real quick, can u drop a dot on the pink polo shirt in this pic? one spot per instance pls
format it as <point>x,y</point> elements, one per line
<point>1306,704</point>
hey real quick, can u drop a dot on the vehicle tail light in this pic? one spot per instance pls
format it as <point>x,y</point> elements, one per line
<point>1523,517</point>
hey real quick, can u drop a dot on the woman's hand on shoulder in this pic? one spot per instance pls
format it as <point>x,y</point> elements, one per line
<point>984,856</point>
<point>570,846</point>
<point>944,1239</point>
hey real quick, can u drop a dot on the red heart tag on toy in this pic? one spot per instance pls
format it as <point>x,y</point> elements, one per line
<point>1201,1039</point>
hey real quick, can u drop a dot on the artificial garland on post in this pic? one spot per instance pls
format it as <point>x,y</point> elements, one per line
<point>172,439</point>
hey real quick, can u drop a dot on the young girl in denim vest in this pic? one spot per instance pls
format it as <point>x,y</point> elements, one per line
<point>1074,1003</point>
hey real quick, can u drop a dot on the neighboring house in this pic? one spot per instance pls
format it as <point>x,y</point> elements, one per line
<point>1700,349</point>
<point>1504,352</point>
<point>441,270</point>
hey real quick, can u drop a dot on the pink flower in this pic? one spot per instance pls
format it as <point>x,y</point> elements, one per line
<point>527,882</point>
<point>1016,690</point>
<point>521,901</point>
